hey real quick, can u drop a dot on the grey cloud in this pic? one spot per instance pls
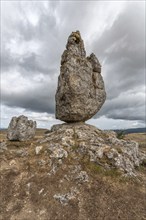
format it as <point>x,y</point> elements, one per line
<point>31,63</point>
<point>38,98</point>
<point>6,60</point>
<point>126,106</point>
<point>123,49</point>
<point>128,114</point>
<point>45,33</point>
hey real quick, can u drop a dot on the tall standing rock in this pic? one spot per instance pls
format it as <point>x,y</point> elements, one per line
<point>80,93</point>
<point>21,129</point>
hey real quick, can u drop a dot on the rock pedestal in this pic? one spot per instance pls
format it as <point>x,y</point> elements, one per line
<point>102,148</point>
<point>80,93</point>
<point>21,129</point>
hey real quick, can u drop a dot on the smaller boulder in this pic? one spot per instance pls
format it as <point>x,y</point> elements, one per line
<point>21,129</point>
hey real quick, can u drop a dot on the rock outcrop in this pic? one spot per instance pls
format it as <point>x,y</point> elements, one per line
<point>103,148</point>
<point>80,93</point>
<point>21,129</point>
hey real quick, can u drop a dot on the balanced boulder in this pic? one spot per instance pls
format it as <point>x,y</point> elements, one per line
<point>21,129</point>
<point>80,93</point>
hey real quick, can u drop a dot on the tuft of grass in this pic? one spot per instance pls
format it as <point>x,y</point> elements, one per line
<point>141,168</point>
<point>95,168</point>
<point>112,172</point>
<point>119,150</point>
<point>144,163</point>
<point>120,134</point>
<point>75,147</point>
<point>142,145</point>
<point>98,169</point>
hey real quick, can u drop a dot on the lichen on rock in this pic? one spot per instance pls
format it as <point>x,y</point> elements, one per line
<point>21,129</point>
<point>79,140</point>
<point>80,93</point>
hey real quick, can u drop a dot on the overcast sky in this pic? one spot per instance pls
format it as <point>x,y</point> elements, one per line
<point>33,38</point>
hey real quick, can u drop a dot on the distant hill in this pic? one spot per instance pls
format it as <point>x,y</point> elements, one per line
<point>1,129</point>
<point>132,130</point>
<point>126,131</point>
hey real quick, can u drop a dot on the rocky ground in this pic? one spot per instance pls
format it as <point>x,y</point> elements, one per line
<point>63,175</point>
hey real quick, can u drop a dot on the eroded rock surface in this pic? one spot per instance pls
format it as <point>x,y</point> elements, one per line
<point>80,140</point>
<point>21,129</point>
<point>80,93</point>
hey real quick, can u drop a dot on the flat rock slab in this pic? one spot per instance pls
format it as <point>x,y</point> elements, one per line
<point>80,93</point>
<point>21,129</point>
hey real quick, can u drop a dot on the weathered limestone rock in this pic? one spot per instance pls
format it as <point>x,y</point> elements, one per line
<point>21,129</point>
<point>80,140</point>
<point>80,93</point>
<point>65,198</point>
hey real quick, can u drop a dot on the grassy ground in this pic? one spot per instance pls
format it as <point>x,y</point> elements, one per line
<point>138,137</point>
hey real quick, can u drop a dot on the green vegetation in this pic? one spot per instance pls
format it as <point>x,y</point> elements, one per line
<point>120,134</point>
<point>96,168</point>
<point>112,172</point>
<point>75,147</point>
<point>144,162</point>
